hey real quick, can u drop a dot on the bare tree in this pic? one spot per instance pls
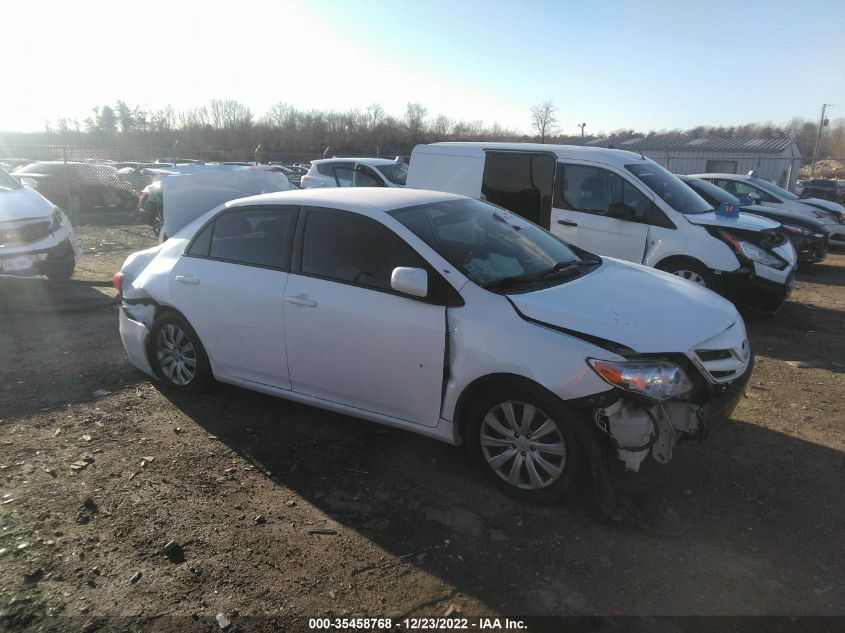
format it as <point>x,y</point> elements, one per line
<point>415,115</point>
<point>227,114</point>
<point>543,119</point>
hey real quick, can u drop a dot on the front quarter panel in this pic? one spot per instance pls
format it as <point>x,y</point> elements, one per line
<point>487,336</point>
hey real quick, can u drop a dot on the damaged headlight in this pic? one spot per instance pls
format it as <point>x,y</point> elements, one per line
<point>761,255</point>
<point>56,220</point>
<point>656,380</point>
<point>800,230</point>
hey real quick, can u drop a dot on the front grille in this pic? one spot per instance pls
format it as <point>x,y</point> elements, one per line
<point>723,365</point>
<point>24,234</point>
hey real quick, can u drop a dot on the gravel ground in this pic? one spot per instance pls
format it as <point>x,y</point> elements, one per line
<point>123,507</point>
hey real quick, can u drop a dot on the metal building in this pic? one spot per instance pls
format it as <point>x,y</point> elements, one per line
<point>775,159</point>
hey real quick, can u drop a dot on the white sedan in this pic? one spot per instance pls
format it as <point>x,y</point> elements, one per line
<point>442,315</point>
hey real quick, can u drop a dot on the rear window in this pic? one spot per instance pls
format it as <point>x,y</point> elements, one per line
<point>258,237</point>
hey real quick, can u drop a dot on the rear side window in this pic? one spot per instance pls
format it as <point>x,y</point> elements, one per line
<point>325,169</point>
<point>353,249</point>
<point>202,241</point>
<point>255,237</point>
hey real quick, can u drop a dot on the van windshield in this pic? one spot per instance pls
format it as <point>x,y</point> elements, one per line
<point>670,188</point>
<point>494,247</point>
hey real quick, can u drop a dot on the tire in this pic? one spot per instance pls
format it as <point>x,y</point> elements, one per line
<point>74,204</point>
<point>508,454</point>
<point>61,270</point>
<point>177,355</point>
<point>158,223</point>
<point>690,270</point>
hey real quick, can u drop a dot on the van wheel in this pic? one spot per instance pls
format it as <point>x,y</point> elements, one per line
<point>177,355</point>
<point>691,271</point>
<point>525,444</point>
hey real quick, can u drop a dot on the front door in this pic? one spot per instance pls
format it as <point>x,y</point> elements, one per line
<point>600,211</point>
<point>230,286</point>
<point>351,339</point>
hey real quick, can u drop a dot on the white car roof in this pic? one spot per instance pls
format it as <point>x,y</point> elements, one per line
<point>727,176</point>
<point>369,201</point>
<point>615,157</point>
<point>368,161</point>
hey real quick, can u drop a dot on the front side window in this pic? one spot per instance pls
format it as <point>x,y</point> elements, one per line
<point>255,237</point>
<point>350,248</point>
<point>396,173</point>
<point>594,190</point>
<point>742,188</point>
<point>669,187</point>
<point>488,244</point>
<point>366,177</point>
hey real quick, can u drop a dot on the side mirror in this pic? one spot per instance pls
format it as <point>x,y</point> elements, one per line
<point>410,281</point>
<point>30,183</point>
<point>755,198</point>
<point>620,211</point>
<point>746,200</point>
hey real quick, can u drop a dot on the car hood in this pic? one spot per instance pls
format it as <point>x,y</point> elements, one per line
<point>641,308</point>
<point>743,221</point>
<point>24,204</point>
<point>785,217</point>
<point>827,205</point>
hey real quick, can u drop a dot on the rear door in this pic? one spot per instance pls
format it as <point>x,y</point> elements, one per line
<point>230,285</point>
<point>521,182</point>
<point>584,195</point>
<point>353,340</point>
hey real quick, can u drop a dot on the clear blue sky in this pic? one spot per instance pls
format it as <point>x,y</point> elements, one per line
<point>647,64</point>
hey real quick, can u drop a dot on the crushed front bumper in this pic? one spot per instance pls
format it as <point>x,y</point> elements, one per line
<point>637,428</point>
<point>748,290</point>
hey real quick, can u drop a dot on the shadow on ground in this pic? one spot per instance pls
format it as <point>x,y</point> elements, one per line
<point>37,295</point>
<point>763,509</point>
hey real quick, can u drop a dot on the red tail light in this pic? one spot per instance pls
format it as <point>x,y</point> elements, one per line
<point>117,281</point>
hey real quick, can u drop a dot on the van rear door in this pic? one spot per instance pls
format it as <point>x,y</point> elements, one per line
<point>521,182</point>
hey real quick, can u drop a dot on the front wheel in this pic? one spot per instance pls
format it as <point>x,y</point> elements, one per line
<point>691,271</point>
<point>177,355</point>
<point>525,444</point>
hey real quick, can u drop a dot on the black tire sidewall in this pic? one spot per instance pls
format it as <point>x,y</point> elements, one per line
<point>564,417</point>
<point>203,378</point>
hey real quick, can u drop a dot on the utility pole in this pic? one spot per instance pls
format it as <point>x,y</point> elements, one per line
<point>822,123</point>
<point>582,126</point>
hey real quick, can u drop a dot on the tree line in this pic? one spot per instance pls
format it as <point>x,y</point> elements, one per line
<point>228,127</point>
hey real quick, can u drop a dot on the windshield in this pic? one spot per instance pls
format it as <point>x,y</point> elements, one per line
<point>7,183</point>
<point>396,173</point>
<point>669,187</point>
<point>487,244</point>
<point>711,192</point>
<point>765,185</point>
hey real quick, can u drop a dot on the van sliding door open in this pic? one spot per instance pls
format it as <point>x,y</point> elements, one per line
<point>521,182</point>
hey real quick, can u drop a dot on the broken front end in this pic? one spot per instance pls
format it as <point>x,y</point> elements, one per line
<point>660,400</point>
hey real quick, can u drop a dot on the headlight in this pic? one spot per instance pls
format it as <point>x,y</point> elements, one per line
<point>800,230</point>
<point>56,219</point>
<point>761,255</point>
<point>656,380</point>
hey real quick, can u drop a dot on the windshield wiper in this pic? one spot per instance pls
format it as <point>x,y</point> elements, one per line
<point>558,268</point>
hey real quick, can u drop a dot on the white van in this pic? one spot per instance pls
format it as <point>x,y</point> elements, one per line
<point>618,204</point>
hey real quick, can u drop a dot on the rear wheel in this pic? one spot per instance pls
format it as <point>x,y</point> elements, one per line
<point>177,355</point>
<point>158,223</point>
<point>525,444</point>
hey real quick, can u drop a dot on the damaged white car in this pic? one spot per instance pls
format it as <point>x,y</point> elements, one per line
<point>36,237</point>
<point>445,316</point>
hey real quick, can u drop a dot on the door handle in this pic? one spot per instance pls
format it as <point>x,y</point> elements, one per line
<point>567,223</point>
<point>187,279</point>
<point>302,300</point>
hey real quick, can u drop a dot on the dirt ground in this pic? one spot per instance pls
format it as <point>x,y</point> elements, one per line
<point>100,471</point>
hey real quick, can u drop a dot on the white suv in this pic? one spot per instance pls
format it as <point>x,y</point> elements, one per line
<point>620,204</point>
<point>355,172</point>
